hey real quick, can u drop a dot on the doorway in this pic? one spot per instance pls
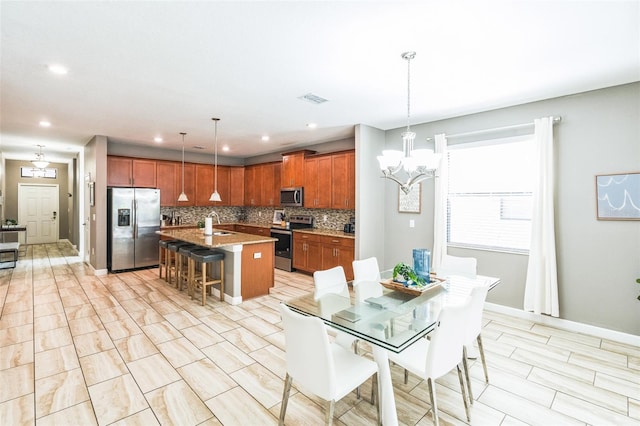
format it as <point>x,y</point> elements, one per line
<point>38,209</point>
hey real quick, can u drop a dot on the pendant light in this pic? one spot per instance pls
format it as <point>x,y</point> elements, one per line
<point>40,162</point>
<point>183,196</point>
<point>214,195</point>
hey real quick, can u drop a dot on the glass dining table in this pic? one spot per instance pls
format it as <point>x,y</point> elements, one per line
<point>391,321</point>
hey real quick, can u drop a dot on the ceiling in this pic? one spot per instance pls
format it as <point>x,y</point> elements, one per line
<point>138,70</point>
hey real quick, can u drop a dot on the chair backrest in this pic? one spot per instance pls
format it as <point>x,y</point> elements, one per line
<point>366,279</point>
<point>474,323</point>
<point>454,265</point>
<point>308,353</point>
<point>445,346</point>
<point>330,281</point>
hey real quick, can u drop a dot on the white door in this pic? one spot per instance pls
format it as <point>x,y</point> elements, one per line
<point>38,209</point>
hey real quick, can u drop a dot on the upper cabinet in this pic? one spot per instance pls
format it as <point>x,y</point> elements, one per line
<point>134,172</point>
<point>166,175</point>
<point>271,178</point>
<point>343,188</point>
<point>236,186</point>
<point>252,185</point>
<point>204,184</point>
<point>317,182</point>
<point>293,169</point>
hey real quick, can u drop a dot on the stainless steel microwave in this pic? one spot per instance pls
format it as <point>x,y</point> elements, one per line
<point>291,197</point>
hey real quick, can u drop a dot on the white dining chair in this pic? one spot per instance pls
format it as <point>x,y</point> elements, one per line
<point>366,279</point>
<point>455,265</point>
<point>473,331</point>
<point>330,281</point>
<point>318,366</point>
<point>431,359</point>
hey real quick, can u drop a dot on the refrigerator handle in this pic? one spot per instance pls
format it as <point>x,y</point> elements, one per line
<point>135,219</point>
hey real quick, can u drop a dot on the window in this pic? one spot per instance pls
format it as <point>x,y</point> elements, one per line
<point>489,200</point>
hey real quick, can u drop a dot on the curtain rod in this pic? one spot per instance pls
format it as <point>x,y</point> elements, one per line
<point>556,120</point>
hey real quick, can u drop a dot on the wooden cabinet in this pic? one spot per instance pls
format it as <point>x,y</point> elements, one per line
<point>236,186</point>
<point>343,187</point>
<point>253,185</point>
<point>293,168</point>
<point>189,184</point>
<point>307,252</point>
<point>338,251</point>
<point>317,178</point>
<point>271,175</point>
<point>257,269</point>
<point>167,172</point>
<point>132,172</point>
<point>204,184</point>
<point>225,226</point>
<point>254,230</point>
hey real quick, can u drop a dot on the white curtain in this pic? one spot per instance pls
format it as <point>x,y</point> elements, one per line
<point>541,288</point>
<point>440,205</point>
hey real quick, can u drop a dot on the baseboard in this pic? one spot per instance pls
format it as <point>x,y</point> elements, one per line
<point>604,333</point>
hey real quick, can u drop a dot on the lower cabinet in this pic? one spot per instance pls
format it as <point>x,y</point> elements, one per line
<point>255,230</point>
<point>312,252</point>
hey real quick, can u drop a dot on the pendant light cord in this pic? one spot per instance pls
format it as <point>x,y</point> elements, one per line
<point>182,133</point>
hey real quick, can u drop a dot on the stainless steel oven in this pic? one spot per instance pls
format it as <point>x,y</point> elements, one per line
<point>284,243</point>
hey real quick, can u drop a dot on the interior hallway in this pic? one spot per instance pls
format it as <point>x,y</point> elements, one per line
<point>129,349</point>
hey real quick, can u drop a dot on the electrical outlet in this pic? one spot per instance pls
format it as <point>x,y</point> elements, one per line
<point>412,223</point>
<point>257,255</point>
<point>324,218</point>
<point>259,214</point>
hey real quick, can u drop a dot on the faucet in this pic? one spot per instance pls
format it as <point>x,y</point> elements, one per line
<point>213,213</point>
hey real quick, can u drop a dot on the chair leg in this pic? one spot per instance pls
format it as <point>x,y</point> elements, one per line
<point>285,398</point>
<point>465,364</point>
<point>464,394</point>
<point>204,280</point>
<point>222,280</point>
<point>375,397</point>
<point>406,376</point>
<point>484,361</point>
<point>331,405</point>
<point>432,395</point>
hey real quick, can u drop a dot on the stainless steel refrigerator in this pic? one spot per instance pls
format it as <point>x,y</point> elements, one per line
<point>133,219</point>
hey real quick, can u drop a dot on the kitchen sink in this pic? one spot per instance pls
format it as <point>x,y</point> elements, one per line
<point>222,233</point>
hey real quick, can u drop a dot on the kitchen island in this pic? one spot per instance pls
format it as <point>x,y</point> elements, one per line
<point>248,262</point>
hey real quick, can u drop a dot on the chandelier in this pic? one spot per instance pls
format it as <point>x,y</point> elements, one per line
<point>40,162</point>
<point>215,196</point>
<point>409,166</point>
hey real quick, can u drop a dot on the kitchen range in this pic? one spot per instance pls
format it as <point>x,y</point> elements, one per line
<point>284,235</point>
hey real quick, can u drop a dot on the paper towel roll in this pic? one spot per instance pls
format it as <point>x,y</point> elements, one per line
<point>208,226</point>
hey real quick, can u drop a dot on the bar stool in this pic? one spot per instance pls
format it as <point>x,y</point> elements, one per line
<point>182,264</point>
<point>173,264</point>
<point>164,258</point>
<point>205,257</point>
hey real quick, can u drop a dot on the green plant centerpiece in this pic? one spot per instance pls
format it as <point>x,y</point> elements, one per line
<point>406,275</point>
<point>201,224</point>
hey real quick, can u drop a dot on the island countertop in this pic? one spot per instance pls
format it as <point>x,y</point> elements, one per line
<point>196,236</point>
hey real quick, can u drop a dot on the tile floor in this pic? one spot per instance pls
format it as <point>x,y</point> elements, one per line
<point>129,349</point>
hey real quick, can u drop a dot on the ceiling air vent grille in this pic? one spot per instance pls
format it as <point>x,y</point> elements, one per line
<point>314,99</point>
<point>198,147</point>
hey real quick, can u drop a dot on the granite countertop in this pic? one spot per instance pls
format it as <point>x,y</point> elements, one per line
<point>328,232</point>
<point>196,236</point>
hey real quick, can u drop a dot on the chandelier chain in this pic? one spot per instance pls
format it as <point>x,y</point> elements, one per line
<point>408,92</point>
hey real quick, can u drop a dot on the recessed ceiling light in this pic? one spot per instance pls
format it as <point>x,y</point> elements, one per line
<point>312,125</point>
<point>225,148</point>
<point>157,139</point>
<point>58,69</point>
<point>45,123</point>
<point>265,138</point>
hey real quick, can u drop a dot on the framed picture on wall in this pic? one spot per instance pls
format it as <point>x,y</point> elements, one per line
<point>618,196</point>
<point>411,202</point>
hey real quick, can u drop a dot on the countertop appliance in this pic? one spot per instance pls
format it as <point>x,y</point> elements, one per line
<point>350,227</point>
<point>291,197</point>
<point>284,245</point>
<point>133,217</point>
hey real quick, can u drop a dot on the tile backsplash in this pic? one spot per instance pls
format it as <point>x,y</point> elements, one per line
<point>323,218</point>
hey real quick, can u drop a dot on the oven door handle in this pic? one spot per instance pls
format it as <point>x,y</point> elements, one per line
<point>281,232</point>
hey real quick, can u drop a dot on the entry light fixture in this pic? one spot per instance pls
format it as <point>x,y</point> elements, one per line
<point>39,162</point>
<point>183,196</point>
<point>214,195</point>
<point>409,166</point>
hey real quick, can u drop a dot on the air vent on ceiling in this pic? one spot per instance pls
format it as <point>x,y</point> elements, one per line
<point>314,99</point>
<point>198,147</point>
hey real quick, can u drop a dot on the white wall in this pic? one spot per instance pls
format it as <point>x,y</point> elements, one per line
<point>598,261</point>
